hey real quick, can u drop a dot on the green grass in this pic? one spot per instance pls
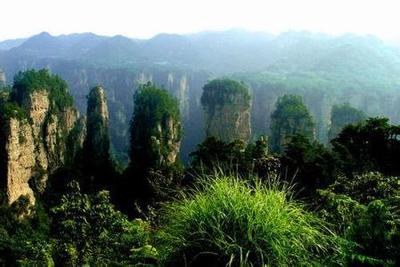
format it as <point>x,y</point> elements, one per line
<point>229,221</point>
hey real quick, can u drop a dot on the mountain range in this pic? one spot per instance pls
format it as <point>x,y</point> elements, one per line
<point>324,69</point>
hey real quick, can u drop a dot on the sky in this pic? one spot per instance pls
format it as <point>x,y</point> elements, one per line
<point>146,18</point>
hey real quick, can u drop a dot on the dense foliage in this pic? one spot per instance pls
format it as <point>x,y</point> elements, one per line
<point>308,164</point>
<point>92,232</point>
<point>343,207</point>
<point>341,116</point>
<point>290,117</point>
<point>215,155</point>
<point>155,136</point>
<point>154,108</point>
<point>219,92</point>
<point>364,210</point>
<point>42,80</point>
<point>370,145</point>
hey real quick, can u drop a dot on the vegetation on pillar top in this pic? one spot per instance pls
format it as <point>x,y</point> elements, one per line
<point>225,91</point>
<point>9,109</point>
<point>342,115</point>
<point>42,80</point>
<point>154,108</point>
<point>290,117</point>
<point>155,103</point>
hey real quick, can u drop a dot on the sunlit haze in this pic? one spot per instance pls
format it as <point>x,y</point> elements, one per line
<point>143,19</point>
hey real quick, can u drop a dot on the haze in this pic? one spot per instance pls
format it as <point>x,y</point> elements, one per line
<point>143,19</point>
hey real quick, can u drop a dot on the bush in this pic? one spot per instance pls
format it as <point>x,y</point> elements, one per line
<point>24,240</point>
<point>234,157</point>
<point>90,231</point>
<point>378,233</point>
<point>231,221</point>
<point>367,187</point>
<point>365,211</point>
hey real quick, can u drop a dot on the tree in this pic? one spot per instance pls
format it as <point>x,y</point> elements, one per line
<point>364,209</point>
<point>342,115</point>
<point>36,80</point>
<point>309,163</point>
<point>372,145</point>
<point>290,117</point>
<point>155,141</point>
<point>90,231</point>
<point>234,157</point>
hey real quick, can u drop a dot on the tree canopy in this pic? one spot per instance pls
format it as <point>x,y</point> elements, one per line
<point>290,117</point>
<point>42,80</point>
<point>342,115</point>
<point>223,91</point>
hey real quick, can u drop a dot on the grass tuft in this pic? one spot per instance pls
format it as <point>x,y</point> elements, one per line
<point>230,221</point>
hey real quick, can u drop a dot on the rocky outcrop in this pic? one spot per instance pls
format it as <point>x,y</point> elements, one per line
<point>19,160</point>
<point>156,129</point>
<point>227,107</point>
<point>2,78</point>
<point>97,142</point>
<point>166,149</point>
<point>35,126</point>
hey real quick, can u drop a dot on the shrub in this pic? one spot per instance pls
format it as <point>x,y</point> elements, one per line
<point>365,211</point>
<point>231,221</point>
<point>234,157</point>
<point>378,232</point>
<point>92,232</point>
<point>290,117</point>
<point>24,240</point>
<point>367,187</point>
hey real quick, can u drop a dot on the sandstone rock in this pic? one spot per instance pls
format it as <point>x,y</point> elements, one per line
<point>20,159</point>
<point>36,146</point>
<point>227,106</point>
<point>97,138</point>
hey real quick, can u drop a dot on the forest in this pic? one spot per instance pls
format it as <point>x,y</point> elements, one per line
<point>225,148</point>
<point>282,199</point>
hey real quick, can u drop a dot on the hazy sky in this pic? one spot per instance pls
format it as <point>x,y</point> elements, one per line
<point>145,18</point>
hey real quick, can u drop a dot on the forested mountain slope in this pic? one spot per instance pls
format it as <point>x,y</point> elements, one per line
<point>325,70</point>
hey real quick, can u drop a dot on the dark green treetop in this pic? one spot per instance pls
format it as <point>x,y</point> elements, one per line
<point>221,91</point>
<point>155,142</point>
<point>153,108</point>
<point>42,80</point>
<point>290,117</point>
<point>342,115</point>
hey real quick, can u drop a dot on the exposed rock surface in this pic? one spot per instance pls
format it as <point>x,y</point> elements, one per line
<point>227,106</point>
<point>20,159</point>
<point>156,129</point>
<point>170,129</point>
<point>2,78</point>
<point>34,141</point>
<point>97,162</point>
<point>97,139</point>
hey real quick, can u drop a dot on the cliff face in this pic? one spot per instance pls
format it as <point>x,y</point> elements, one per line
<point>166,142</point>
<point>227,106</point>
<point>97,162</point>
<point>2,78</point>
<point>20,159</point>
<point>97,138</point>
<point>35,134</point>
<point>155,130</point>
